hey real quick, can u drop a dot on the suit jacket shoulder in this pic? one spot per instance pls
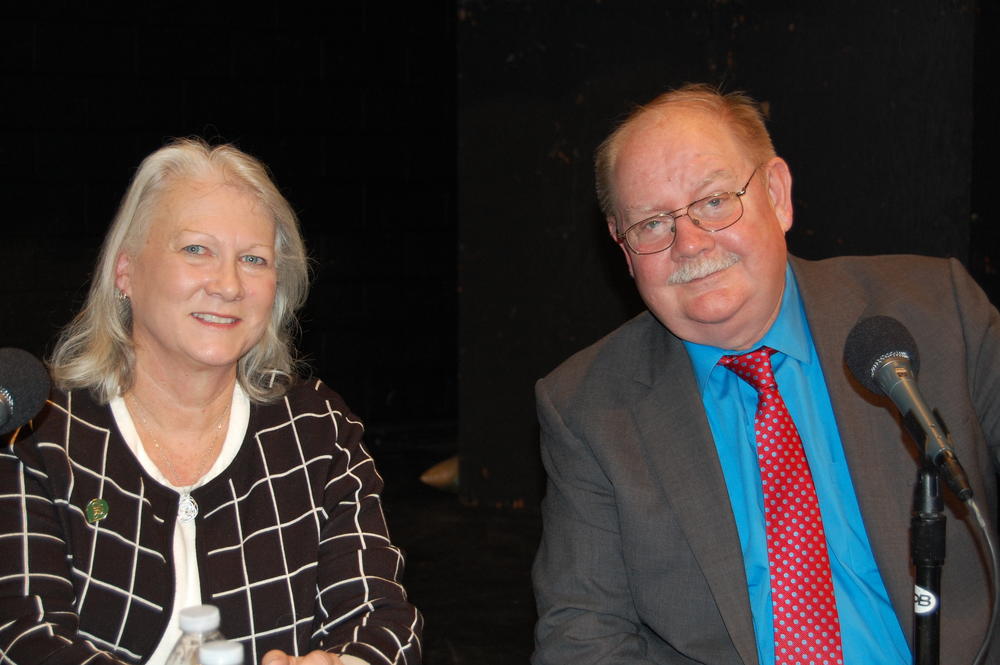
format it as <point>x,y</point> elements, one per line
<point>614,366</point>
<point>637,506</point>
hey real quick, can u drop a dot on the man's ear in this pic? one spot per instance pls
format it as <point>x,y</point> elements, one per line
<point>779,190</point>
<point>613,231</point>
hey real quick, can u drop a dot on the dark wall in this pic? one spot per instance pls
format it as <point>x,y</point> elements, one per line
<point>351,106</point>
<point>871,103</point>
<point>984,221</point>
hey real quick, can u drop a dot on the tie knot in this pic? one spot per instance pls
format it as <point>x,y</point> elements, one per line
<point>753,367</point>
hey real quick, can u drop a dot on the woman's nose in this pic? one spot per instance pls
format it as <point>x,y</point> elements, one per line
<point>226,281</point>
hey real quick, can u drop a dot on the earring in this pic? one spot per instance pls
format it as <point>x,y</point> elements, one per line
<point>121,295</point>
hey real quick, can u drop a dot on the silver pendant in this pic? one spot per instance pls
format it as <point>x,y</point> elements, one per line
<point>187,508</point>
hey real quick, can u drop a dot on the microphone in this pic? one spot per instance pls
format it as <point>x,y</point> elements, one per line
<point>24,387</point>
<point>882,356</point>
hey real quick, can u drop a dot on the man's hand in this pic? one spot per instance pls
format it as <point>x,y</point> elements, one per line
<point>278,657</point>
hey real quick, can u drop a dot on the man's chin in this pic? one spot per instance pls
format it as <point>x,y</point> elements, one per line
<point>711,319</point>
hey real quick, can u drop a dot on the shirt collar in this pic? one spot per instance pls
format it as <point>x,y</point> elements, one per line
<point>789,335</point>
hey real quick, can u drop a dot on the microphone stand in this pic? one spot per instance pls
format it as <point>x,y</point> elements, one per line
<point>927,549</point>
<point>927,544</point>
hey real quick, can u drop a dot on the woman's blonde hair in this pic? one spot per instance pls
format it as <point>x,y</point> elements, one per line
<point>95,350</point>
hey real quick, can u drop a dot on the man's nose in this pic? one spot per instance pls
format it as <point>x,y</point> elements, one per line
<point>689,238</point>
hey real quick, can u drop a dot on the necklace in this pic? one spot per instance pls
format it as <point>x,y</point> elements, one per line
<point>187,507</point>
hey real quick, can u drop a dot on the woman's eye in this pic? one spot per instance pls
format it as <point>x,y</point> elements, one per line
<point>194,249</point>
<point>255,260</point>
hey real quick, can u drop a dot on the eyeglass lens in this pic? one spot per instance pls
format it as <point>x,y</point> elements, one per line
<point>712,213</point>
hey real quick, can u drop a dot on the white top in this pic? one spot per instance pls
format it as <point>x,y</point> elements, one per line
<point>187,589</point>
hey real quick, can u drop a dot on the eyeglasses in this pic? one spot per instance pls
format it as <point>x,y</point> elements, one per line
<point>712,213</point>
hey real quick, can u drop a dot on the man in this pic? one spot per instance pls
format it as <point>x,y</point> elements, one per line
<point>657,544</point>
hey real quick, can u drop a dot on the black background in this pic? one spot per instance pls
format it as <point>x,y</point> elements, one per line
<point>351,106</point>
<point>439,156</point>
<point>885,111</point>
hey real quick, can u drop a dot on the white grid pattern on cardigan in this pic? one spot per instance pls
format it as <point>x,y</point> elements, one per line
<point>292,541</point>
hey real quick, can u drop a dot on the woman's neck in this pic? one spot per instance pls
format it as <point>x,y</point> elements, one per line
<point>190,403</point>
<point>182,425</point>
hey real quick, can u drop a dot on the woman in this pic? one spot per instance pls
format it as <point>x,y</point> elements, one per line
<point>181,461</point>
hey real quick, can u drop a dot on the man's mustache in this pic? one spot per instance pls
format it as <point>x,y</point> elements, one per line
<point>694,269</point>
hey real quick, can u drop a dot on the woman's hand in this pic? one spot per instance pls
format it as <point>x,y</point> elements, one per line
<point>278,657</point>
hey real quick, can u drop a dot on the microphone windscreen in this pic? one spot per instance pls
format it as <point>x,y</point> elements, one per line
<point>874,339</point>
<point>27,381</point>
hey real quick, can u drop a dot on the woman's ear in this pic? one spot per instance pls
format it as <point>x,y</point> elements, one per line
<point>123,273</point>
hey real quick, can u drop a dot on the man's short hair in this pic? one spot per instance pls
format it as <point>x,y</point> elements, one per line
<point>743,115</point>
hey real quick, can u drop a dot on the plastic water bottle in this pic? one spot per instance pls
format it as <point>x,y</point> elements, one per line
<point>199,625</point>
<point>221,652</point>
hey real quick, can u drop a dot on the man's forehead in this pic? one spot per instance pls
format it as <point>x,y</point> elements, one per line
<point>684,149</point>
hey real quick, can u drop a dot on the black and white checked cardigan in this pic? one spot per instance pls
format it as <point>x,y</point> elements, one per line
<point>291,540</point>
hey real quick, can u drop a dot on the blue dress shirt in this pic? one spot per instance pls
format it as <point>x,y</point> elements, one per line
<point>870,631</point>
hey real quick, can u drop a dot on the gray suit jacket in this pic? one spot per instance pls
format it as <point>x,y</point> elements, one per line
<point>640,560</point>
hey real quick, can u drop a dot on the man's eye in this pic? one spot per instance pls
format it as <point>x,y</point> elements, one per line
<point>657,224</point>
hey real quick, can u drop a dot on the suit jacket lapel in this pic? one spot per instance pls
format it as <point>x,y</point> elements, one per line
<point>679,447</point>
<point>869,445</point>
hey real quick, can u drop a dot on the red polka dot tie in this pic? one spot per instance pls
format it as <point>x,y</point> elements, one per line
<point>806,625</point>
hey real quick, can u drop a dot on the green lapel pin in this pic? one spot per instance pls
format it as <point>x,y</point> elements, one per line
<point>97,510</point>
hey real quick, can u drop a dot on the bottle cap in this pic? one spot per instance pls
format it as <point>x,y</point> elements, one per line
<point>199,619</point>
<point>221,652</point>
